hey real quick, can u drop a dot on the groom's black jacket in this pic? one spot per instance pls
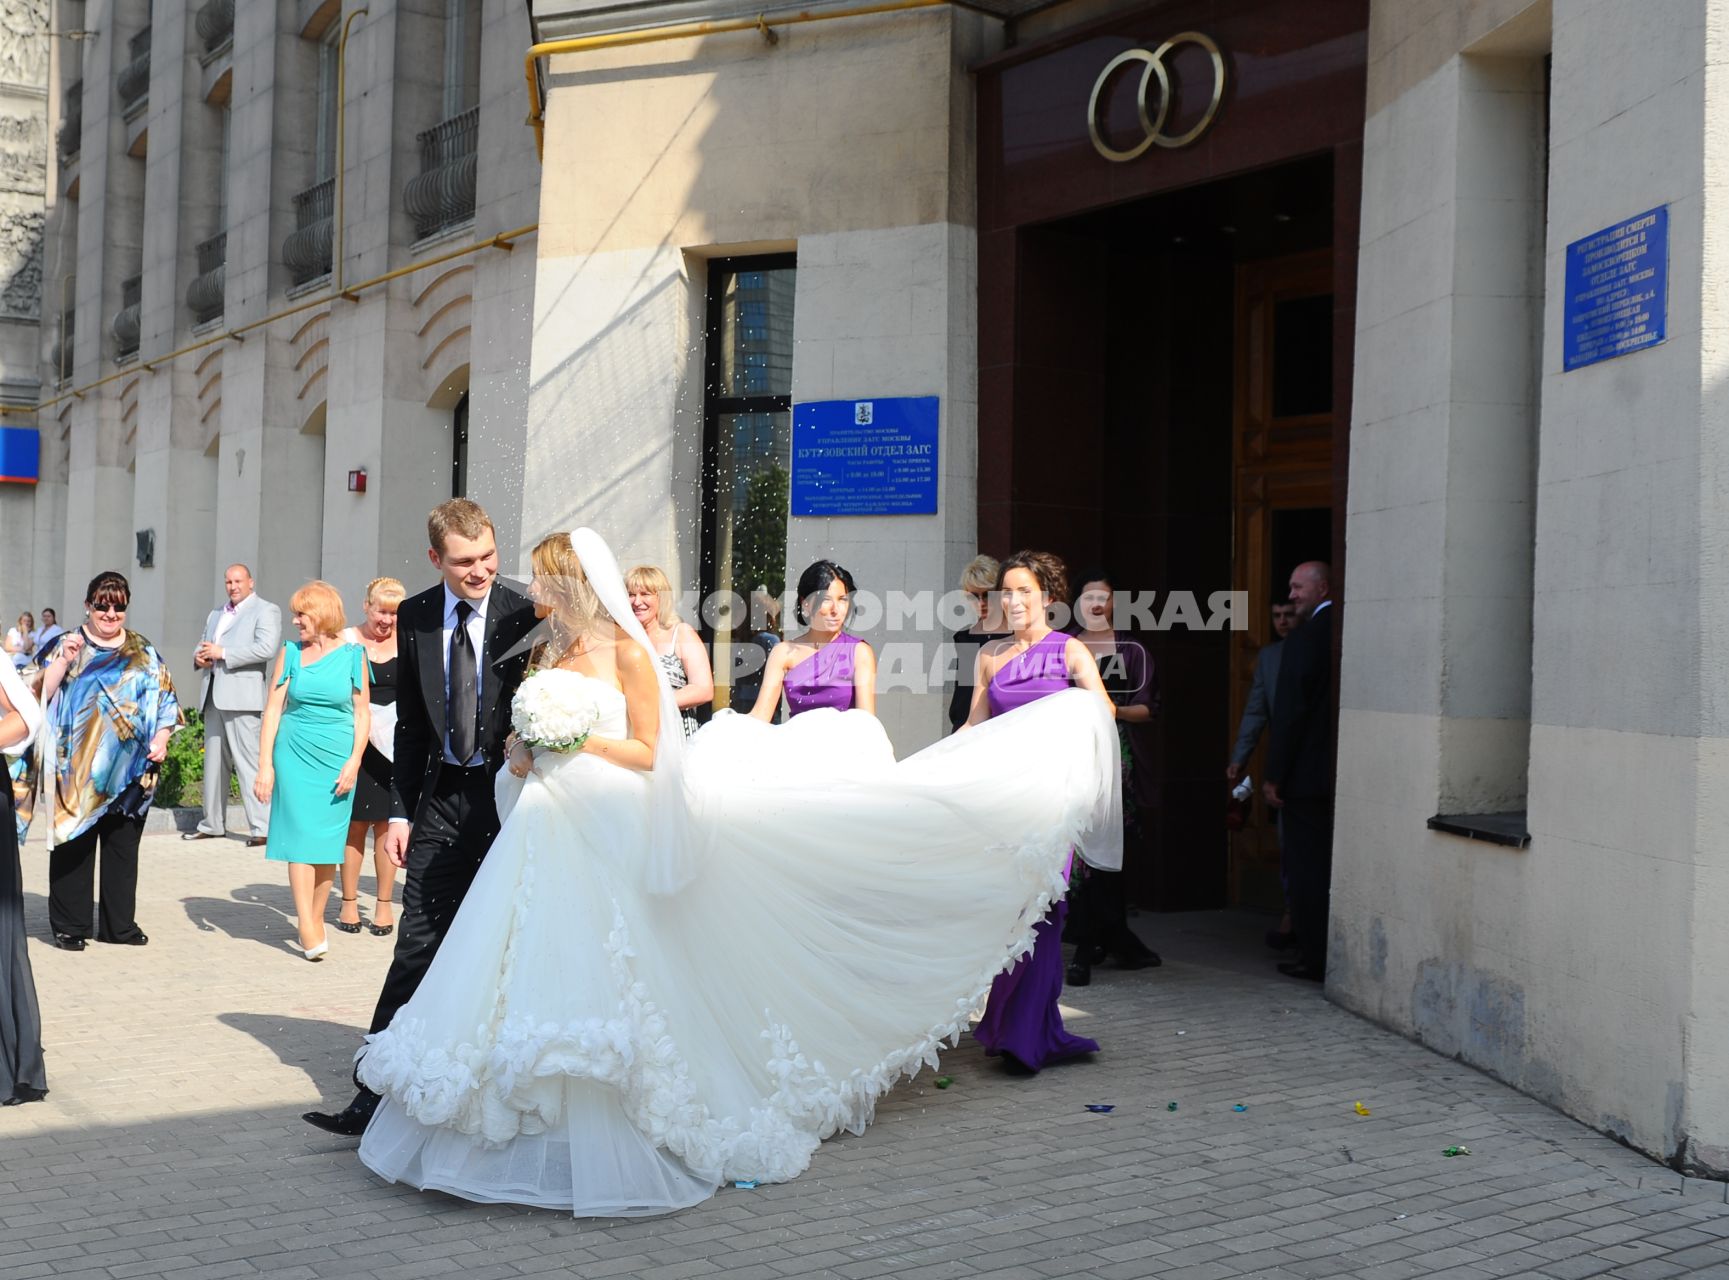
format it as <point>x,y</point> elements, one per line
<point>420,692</point>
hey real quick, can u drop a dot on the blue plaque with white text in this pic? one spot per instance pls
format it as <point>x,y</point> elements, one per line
<point>865,457</point>
<point>1617,299</point>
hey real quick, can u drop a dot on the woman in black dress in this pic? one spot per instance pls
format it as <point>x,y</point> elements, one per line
<point>979,581</point>
<point>22,1076</point>
<point>1098,914</point>
<point>377,635</point>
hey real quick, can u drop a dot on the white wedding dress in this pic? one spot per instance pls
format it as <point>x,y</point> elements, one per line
<point>605,1035</point>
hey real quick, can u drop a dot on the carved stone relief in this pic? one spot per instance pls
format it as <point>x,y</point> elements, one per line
<point>21,259</point>
<point>24,42</point>
<point>24,48</point>
<point>23,147</point>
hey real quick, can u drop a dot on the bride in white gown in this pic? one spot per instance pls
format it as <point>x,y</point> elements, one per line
<point>682,966</point>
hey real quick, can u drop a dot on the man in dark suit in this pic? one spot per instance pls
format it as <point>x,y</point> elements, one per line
<point>463,655</point>
<point>1299,780</point>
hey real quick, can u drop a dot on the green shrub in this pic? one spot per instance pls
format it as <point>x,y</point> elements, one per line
<point>182,780</point>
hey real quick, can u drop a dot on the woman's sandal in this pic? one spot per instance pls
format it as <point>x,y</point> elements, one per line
<point>344,925</point>
<point>380,930</point>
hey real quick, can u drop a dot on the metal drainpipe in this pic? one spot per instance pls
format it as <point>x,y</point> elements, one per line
<point>763,22</point>
<point>341,138</point>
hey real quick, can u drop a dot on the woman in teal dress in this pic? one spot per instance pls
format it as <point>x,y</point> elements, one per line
<point>315,733</point>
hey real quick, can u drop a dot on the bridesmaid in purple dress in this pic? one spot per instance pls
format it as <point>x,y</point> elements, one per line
<point>824,667</point>
<point>1022,1021</point>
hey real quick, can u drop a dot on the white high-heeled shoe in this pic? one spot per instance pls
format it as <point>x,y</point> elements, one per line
<point>316,953</point>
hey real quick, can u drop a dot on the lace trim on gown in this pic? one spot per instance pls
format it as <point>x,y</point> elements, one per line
<point>492,1089</point>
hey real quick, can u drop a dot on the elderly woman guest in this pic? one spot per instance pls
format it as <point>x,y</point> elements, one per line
<point>315,734</point>
<point>22,1075</point>
<point>110,712</point>
<point>377,636</point>
<point>21,640</point>
<point>676,643</point>
<point>978,580</point>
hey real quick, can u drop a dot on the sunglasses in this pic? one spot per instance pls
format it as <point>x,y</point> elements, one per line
<point>118,610</point>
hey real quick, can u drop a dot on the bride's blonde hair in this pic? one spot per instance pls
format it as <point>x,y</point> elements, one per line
<point>565,590</point>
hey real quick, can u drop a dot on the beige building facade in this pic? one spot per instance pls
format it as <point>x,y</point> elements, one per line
<point>1535,576</point>
<point>687,160</point>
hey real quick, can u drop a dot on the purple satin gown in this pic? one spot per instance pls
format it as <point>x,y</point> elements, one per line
<point>1021,1018</point>
<point>825,679</point>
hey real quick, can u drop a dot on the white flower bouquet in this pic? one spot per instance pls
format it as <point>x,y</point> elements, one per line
<point>554,709</point>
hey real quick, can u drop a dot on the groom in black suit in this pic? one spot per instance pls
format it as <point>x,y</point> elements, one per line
<point>463,655</point>
<point>1299,779</point>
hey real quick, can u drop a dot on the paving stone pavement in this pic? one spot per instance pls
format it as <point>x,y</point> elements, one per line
<point>171,1142</point>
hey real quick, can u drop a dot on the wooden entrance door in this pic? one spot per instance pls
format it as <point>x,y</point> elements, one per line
<point>1282,491</point>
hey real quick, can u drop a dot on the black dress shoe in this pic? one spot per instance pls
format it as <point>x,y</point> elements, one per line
<point>136,940</point>
<point>66,942</point>
<point>1297,969</point>
<point>1078,975</point>
<point>351,1121</point>
<point>200,835</point>
<point>1145,958</point>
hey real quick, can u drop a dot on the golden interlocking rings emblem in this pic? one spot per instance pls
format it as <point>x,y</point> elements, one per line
<point>1154,125</point>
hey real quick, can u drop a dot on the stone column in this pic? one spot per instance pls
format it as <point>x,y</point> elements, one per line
<point>270,445</point>
<point>174,475</point>
<point>110,225</point>
<point>24,82</point>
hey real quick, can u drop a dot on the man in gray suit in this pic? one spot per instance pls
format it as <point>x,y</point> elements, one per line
<point>1256,716</point>
<point>1259,710</point>
<point>237,651</point>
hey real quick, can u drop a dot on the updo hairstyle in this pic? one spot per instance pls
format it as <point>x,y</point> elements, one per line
<point>816,580</point>
<point>1052,574</point>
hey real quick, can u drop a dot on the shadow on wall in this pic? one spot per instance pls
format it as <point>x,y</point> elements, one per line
<point>595,431</point>
<point>619,350</point>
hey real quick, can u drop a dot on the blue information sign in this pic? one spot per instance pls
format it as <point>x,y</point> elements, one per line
<point>865,457</point>
<point>1617,299</point>
<point>20,454</point>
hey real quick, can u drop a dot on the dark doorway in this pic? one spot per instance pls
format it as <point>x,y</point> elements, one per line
<point>1131,346</point>
<point>1299,534</point>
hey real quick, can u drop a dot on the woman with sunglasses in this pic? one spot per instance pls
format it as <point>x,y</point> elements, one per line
<point>110,710</point>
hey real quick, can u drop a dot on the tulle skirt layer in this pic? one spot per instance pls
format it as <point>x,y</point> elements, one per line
<point>580,1043</point>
